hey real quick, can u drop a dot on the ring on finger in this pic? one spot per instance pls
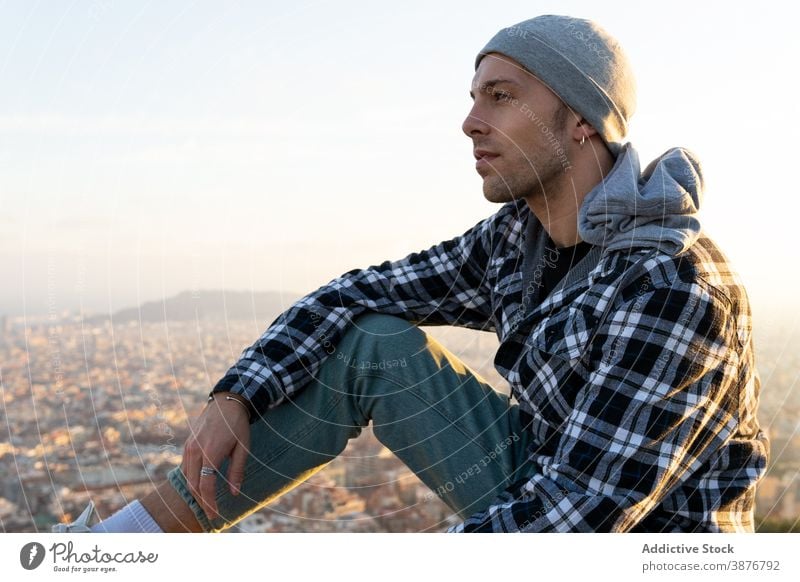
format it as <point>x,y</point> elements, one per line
<point>206,471</point>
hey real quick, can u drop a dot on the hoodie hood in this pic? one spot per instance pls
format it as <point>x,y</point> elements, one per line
<point>656,208</point>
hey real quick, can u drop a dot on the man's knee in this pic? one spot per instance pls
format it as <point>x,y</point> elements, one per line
<point>381,324</point>
<point>379,336</point>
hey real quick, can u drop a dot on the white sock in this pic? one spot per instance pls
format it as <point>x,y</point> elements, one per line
<point>133,518</point>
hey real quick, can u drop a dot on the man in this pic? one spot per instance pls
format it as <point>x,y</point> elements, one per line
<point>625,336</point>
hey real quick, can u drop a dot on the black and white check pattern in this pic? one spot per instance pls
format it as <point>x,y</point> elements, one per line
<point>639,381</point>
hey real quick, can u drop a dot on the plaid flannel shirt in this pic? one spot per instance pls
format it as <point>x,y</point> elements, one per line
<point>638,382</point>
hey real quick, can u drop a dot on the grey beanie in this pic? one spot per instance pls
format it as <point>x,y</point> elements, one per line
<point>581,63</point>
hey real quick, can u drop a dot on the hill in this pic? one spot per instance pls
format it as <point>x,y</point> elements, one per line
<point>210,304</point>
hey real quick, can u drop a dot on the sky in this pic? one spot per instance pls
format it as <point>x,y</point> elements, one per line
<point>148,148</point>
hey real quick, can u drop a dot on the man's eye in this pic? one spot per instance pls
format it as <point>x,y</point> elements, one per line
<point>501,96</point>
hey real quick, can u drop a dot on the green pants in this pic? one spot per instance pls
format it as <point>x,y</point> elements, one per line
<point>458,435</point>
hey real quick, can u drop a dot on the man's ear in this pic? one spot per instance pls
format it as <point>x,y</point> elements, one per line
<point>583,129</point>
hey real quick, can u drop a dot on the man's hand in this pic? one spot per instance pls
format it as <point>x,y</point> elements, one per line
<point>222,430</point>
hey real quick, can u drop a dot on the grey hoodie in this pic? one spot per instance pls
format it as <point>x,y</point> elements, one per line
<point>629,209</point>
<point>656,208</point>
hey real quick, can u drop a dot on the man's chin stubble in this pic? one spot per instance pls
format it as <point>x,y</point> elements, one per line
<point>496,190</point>
<point>499,191</point>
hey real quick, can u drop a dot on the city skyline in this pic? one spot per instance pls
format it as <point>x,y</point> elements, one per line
<point>101,410</point>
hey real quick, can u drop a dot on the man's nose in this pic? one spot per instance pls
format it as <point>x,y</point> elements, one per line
<point>474,123</point>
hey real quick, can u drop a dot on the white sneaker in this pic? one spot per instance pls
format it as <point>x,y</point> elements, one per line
<point>80,525</point>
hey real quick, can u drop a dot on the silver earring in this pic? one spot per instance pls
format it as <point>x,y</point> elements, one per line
<point>583,139</point>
